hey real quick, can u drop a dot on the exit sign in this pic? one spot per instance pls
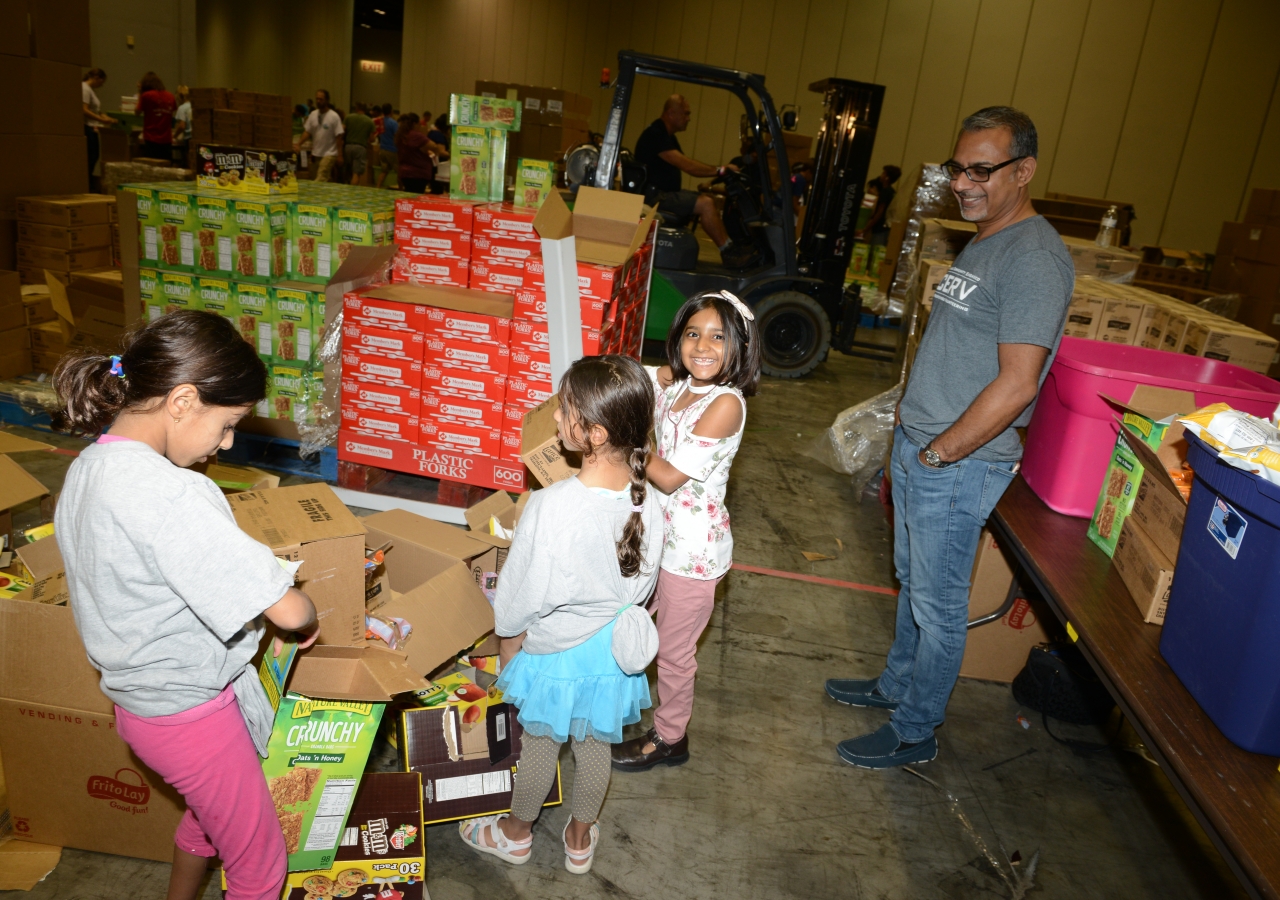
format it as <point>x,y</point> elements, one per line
<point>373,65</point>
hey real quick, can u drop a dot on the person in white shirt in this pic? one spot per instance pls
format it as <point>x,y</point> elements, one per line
<point>93,117</point>
<point>182,125</point>
<point>324,127</point>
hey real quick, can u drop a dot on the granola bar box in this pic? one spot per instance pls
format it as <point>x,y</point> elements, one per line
<point>252,311</point>
<point>215,234</point>
<point>316,757</point>
<point>255,246</point>
<point>469,166</point>
<point>311,243</point>
<point>297,319</point>
<point>176,230</point>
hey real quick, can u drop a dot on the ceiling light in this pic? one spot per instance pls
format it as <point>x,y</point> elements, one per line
<point>365,25</point>
<point>379,12</point>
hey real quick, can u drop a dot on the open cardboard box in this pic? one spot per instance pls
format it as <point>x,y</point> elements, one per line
<point>608,227</point>
<point>497,508</point>
<point>540,446</point>
<point>89,307</point>
<point>17,486</point>
<point>308,522</point>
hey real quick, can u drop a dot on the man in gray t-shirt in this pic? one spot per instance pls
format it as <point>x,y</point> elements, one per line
<point>996,324</point>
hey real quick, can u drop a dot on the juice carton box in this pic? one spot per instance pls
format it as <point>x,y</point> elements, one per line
<point>469,166</point>
<point>535,178</point>
<point>252,312</point>
<point>215,235</point>
<point>177,227</point>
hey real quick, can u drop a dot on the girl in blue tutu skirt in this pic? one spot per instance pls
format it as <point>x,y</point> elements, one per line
<point>569,608</point>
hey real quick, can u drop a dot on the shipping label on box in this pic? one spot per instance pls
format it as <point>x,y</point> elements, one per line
<point>252,312</point>
<point>476,356</point>
<point>316,756</point>
<point>215,239</point>
<point>216,295</point>
<point>535,178</point>
<point>405,373</point>
<point>178,224</point>
<point>469,164</point>
<point>311,242</point>
<point>295,332</point>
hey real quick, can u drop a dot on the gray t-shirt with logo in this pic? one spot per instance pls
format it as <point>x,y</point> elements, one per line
<point>1013,287</point>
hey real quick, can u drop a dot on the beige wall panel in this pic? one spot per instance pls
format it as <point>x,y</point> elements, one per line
<point>1160,106</point>
<point>1044,76</point>
<point>642,110</point>
<point>536,41</point>
<point>722,50</point>
<point>942,70</point>
<point>994,56</point>
<point>786,45</point>
<point>703,131</point>
<point>503,38</point>
<point>489,29</point>
<point>820,55</point>
<point>901,49</point>
<point>1109,51</point>
<point>1223,138</point>
<point>1265,172</point>
<point>864,23</point>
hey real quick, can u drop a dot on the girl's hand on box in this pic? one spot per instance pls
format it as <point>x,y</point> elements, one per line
<point>307,636</point>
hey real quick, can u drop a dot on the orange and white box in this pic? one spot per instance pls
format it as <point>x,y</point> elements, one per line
<point>597,281</point>
<point>461,436</point>
<point>439,213</point>
<point>504,220</point>
<point>453,323</point>
<point>535,366</point>
<point>511,445</point>
<point>430,240</point>
<point>527,392</point>
<point>460,409</point>
<point>450,381</point>
<point>514,251</point>
<point>413,267</point>
<point>371,367</point>
<point>382,341</point>
<point>476,356</point>
<point>487,275</point>
<point>359,309</point>
<point>380,423</point>
<point>372,395</point>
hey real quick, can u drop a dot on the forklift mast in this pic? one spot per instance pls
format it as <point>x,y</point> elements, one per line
<point>851,111</point>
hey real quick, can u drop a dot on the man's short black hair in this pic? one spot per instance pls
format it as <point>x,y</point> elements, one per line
<point>1024,141</point>
<point>326,94</point>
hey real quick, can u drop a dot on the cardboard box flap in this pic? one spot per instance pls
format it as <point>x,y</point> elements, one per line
<point>13,443</point>
<point>43,558</point>
<point>449,614</point>
<point>1157,463</point>
<point>495,504</point>
<point>17,485</point>
<point>554,220</point>
<point>42,659</point>
<point>1156,403</point>
<point>363,262</point>
<point>443,296</point>
<point>289,516</point>
<point>592,248</point>
<point>398,525</point>
<point>606,216</point>
<point>366,674</point>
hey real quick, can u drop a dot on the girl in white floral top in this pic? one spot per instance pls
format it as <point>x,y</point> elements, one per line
<point>700,415</point>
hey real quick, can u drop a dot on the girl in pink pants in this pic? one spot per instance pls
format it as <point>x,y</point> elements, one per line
<point>714,354</point>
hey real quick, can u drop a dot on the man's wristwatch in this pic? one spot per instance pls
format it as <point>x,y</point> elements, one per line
<point>932,459</point>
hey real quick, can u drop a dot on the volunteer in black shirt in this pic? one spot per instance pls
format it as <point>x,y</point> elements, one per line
<point>877,230</point>
<point>659,150</point>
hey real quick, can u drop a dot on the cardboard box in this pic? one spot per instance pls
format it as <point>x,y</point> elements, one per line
<point>1108,263</point>
<point>998,650</point>
<point>382,843</point>
<point>1084,316</point>
<point>944,238</point>
<point>608,226</point>
<point>44,96</point>
<point>308,522</point>
<point>535,179</point>
<point>381,423</point>
<point>540,446</point>
<point>496,113</point>
<point>401,373</point>
<point>291,395</point>
<point>358,393</point>
<point>252,311</point>
<point>297,325</point>
<point>42,257</point>
<point>445,380</point>
<point>1121,321</point>
<point>437,214</point>
<point>216,234</point>
<point>433,462</point>
<point>382,342</point>
<point>477,551</point>
<point>430,268</point>
<point>1146,571</point>
<point>61,238</point>
<point>90,308</point>
<point>429,240</point>
<point>311,242</point>
<point>505,221</point>
<point>469,166</point>
<point>60,31</point>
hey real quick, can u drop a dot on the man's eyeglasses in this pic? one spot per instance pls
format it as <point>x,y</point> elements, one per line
<point>977,174</point>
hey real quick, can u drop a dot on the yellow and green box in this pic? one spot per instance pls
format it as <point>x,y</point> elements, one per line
<point>469,164</point>
<point>177,291</point>
<point>177,230</point>
<point>352,227</point>
<point>216,295</point>
<point>215,235</point>
<point>279,212</point>
<point>149,291</point>
<point>253,244</point>
<point>148,223</point>
<point>295,330</point>
<point>311,243</point>
<point>252,312</point>
<point>535,178</point>
<point>291,395</point>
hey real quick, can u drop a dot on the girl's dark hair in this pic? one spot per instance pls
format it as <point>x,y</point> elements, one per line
<point>741,367</point>
<point>404,125</point>
<point>184,347</point>
<point>615,393</point>
<point>151,82</point>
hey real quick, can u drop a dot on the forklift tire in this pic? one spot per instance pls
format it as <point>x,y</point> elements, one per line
<point>795,334</point>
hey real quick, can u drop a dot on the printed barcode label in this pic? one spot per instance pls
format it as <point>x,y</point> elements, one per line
<point>262,252</point>
<point>324,833</point>
<point>324,253</point>
<point>273,536</point>
<point>335,798</point>
<point>462,786</point>
<point>350,837</point>
<point>224,254</point>
<point>500,726</point>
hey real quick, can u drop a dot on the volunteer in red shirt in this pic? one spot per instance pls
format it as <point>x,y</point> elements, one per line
<point>412,147</point>
<point>157,106</point>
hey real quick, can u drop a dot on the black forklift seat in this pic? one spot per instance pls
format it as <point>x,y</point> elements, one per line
<point>635,180</point>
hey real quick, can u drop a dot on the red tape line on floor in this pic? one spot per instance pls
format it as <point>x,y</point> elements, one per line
<point>816,579</point>
<point>64,451</point>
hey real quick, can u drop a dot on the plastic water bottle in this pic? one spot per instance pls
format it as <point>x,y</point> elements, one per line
<point>1107,234</point>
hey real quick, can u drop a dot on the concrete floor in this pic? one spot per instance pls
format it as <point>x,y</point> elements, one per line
<point>764,808</point>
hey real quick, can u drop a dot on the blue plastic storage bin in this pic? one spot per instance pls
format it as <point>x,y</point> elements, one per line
<point>1222,628</point>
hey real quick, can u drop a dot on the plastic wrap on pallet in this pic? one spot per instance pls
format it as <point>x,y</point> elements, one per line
<point>321,427</point>
<point>858,439</point>
<point>34,395</point>
<point>933,199</point>
<point>1225,305</point>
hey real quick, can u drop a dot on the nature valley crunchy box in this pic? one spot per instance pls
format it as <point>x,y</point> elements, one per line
<point>352,228</point>
<point>316,756</point>
<point>279,212</point>
<point>295,327</point>
<point>290,394</point>
<point>253,240</point>
<point>176,230</point>
<point>252,312</point>
<point>311,243</point>
<point>216,296</point>
<point>469,166</point>
<point>485,112</point>
<point>149,291</point>
<point>535,178</point>
<point>148,223</point>
<point>177,291</point>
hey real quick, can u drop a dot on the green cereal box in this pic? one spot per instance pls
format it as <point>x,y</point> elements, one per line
<point>253,316</point>
<point>177,291</point>
<point>315,757</point>
<point>1119,490</point>
<point>253,240</point>
<point>148,223</point>
<point>149,291</point>
<point>484,112</point>
<point>294,331</point>
<point>469,165</point>
<point>216,296</point>
<point>279,212</point>
<point>215,234</point>
<point>352,228</point>
<point>177,227</point>
<point>384,227</point>
<point>292,392</point>
<point>535,178</point>
<point>497,164</point>
<point>311,242</point>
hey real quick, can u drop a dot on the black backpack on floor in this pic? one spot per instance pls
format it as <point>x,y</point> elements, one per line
<point>1059,683</point>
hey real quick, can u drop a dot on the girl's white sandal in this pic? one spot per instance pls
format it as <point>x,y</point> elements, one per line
<point>472,833</point>
<point>579,861</point>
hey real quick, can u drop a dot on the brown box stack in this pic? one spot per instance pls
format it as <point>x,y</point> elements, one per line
<point>63,234</point>
<point>241,119</point>
<point>15,337</point>
<point>1248,262</point>
<point>552,121</point>
<point>44,46</point>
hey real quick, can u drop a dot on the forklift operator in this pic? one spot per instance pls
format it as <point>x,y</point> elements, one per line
<point>659,150</point>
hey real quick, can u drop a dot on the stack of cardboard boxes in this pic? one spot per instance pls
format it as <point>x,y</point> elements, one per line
<point>241,118</point>
<point>1248,262</point>
<point>65,234</point>
<point>43,47</point>
<point>553,120</point>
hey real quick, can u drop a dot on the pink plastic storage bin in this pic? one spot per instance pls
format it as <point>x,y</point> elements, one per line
<point>1073,429</point>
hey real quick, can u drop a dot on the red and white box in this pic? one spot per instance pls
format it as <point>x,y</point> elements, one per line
<point>410,266</point>
<point>449,381</point>
<point>476,356</point>
<point>535,366</point>
<point>382,341</point>
<point>511,445</point>
<point>433,462</point>
<point>514,251</point>
<point>360,394</point>
<point>429,240</point>
<point>364,366</point>
<point>360,309</point>
<point>531,303</point>
<point>470,326</point>
<point>435,212</point>
<point>461,409</point>
<point>487,275</point>
<point>590,341</point>
<point>504,220</point>
<point>380,423</point>
<point>464,436</point>
<point>528,392</point>
<point>597,281</point>
<point>530,335</point>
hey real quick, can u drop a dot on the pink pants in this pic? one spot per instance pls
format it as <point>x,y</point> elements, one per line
<point>684,607</point>
<point>207,755</point>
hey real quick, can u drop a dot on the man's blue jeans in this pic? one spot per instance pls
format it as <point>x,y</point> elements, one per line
<point>938,516</point>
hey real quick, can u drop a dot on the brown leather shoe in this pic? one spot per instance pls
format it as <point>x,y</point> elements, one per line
<point>629,756</point>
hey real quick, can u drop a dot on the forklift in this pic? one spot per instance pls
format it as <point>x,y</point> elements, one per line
<point>796,287</point>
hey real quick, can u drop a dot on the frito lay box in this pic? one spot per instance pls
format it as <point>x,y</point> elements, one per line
<point>429,240</point>
<point>461,436</point>
<point>459,409</point>
<point>443,380</point>
<point>382,341</point>
<point>382,844</point>
<point>405,373</point>
<point>435,213</point>
<point>380,423</point>
<point>429,268</point>
<point>475,356</point>
<point>360,309</point>
<point>361,394</point>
